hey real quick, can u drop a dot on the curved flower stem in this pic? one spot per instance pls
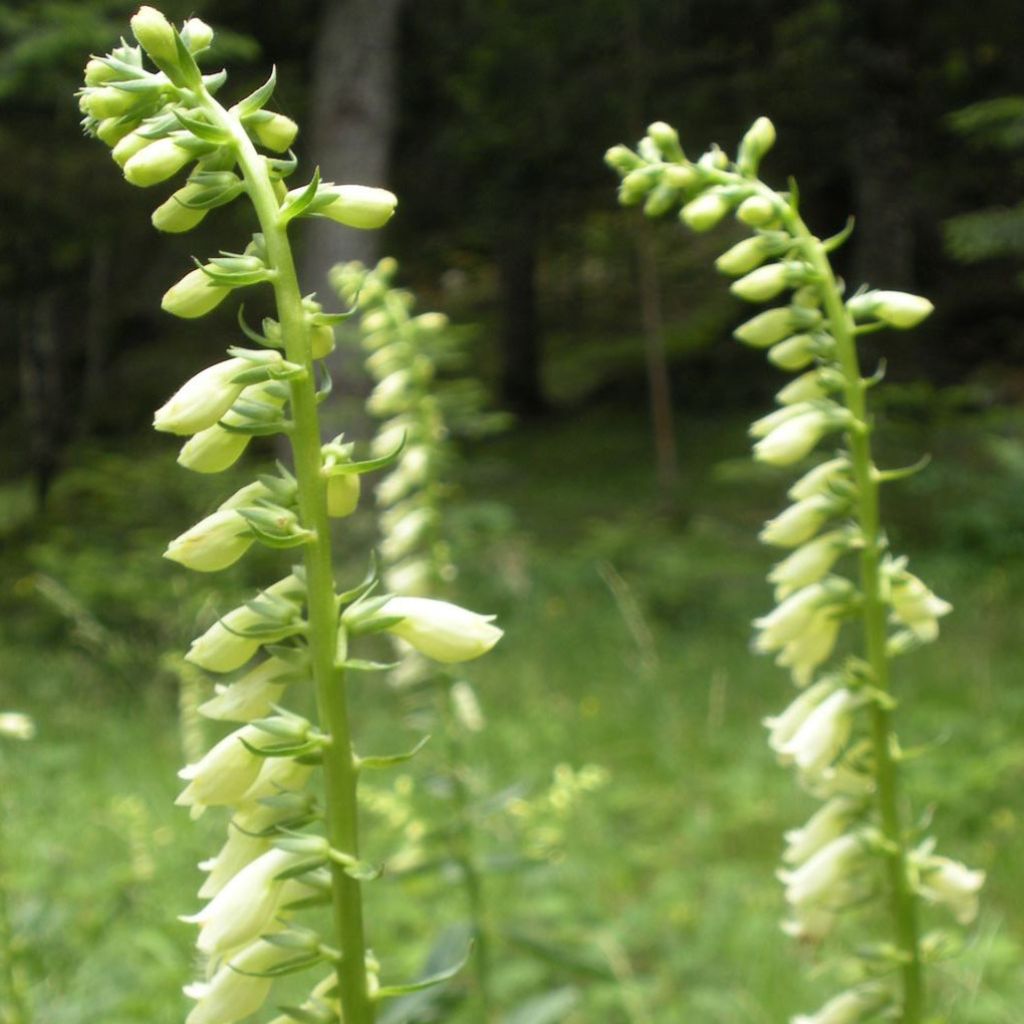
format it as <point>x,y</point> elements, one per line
<point>903,902</point>
<point>332,704</point>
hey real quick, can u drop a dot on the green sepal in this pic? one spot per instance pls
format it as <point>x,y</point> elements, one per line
<point>265,429</point>
<point>361,871</point>
<point>324,390</point>
<point>309,902</point>
<point>304,1015</point>
<point>293,966</point>
<point>361,665</point>
<point>282,749</point>
<point>393,991</point>
<point>369,581</point>
<point>276,540</point>
<point>390,760</point>
<point>255,336</point>
<point>367,465</point>
<point>123,67</point>
<point>187,67</point>
<point>211,198</point>
<point>296,207</point>
<point>836,240</point>
<point>137,85</point>
<point>215,81</point>
<point>280,168</point>
<point>233,279</point>
<point>285,724</point>
<point>261,374</point>
<point>302,868</point>
<point>297,656</point>
<point>255,100</point>
<point>158,127</point>
<point>334,318</point>
<point>294,938</point>
<point>202,129</point>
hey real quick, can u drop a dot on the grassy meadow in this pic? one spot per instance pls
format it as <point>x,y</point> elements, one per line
<point>631,815</point>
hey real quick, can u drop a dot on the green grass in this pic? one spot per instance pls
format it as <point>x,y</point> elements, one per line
<point>662,877</point>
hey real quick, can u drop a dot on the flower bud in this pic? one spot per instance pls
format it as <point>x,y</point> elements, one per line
<point>953,884</point>
<point>846,1008</point>
<point>621,159</point>
<point>442,631</point>
<point>174,215</point>
<point>342,494</point>
<point>278,775</point>
<point>816,880</point>
<point>897,309</point>
<point>766,328</point>
<point>812,386</point>
<point>224,773</point>
<point>637,183</point>
<point>825,478</point>
<point>212,544</point>
<point>107,101</point>
<point>276,132</point>
<point>321,340</point>
<point>766,283</point>
<point>98,71</point>
<point>197,35</point>
<point>112,129</point>
<point>194,295</point>
<point>759,139</point>
<point>212,450</point>
<point>828,823</point>
<point>666,138</point>
<point>252,696</point>
<point>782,728</point>
<point>359,206</point>
<point>201,401</point>
<point>800,522</point>
<point>705,211</point>
<point>757,212</point>
<point>914,605</point>
<point>822,734</point>
<point>804,653</point>
<point>795,438</point>
<point>661,199</point>
<point>679,176</point>
<point>809,563</point>
<point>155,35</point>
<point>157,162</point>
<point>744,256</point>
<point>244,908</point>
<point>128,146</point>
<point>238,988</point>
<point>795,353</point>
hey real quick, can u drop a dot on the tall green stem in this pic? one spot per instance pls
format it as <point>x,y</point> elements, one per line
<point>332,703</point>
<point>903,902</point>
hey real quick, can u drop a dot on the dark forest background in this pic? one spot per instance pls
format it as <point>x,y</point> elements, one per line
<point>489,119</point>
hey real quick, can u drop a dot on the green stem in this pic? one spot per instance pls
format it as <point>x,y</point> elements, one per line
<point>16,1010</point>
<point>903,902</point>
<point>462,851</point>
<point>340,780</point>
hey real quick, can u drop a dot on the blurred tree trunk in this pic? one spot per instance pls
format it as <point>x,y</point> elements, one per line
<point>352,125</point>
<point>353,117</point>
<point>521,388</point>
<point>883,129</point>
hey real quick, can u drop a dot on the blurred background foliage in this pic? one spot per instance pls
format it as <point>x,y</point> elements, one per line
<point>612,528</point>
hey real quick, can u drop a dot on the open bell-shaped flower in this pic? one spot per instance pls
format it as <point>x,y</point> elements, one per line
<point>202,400</point>
<point>950,883</point>
<point>846,1008</point>
<point>224,773</point>
<point>442,631</point>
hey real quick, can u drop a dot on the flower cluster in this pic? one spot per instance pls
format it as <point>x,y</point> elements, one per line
<point>836,734</point>
<point>285,848</point>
